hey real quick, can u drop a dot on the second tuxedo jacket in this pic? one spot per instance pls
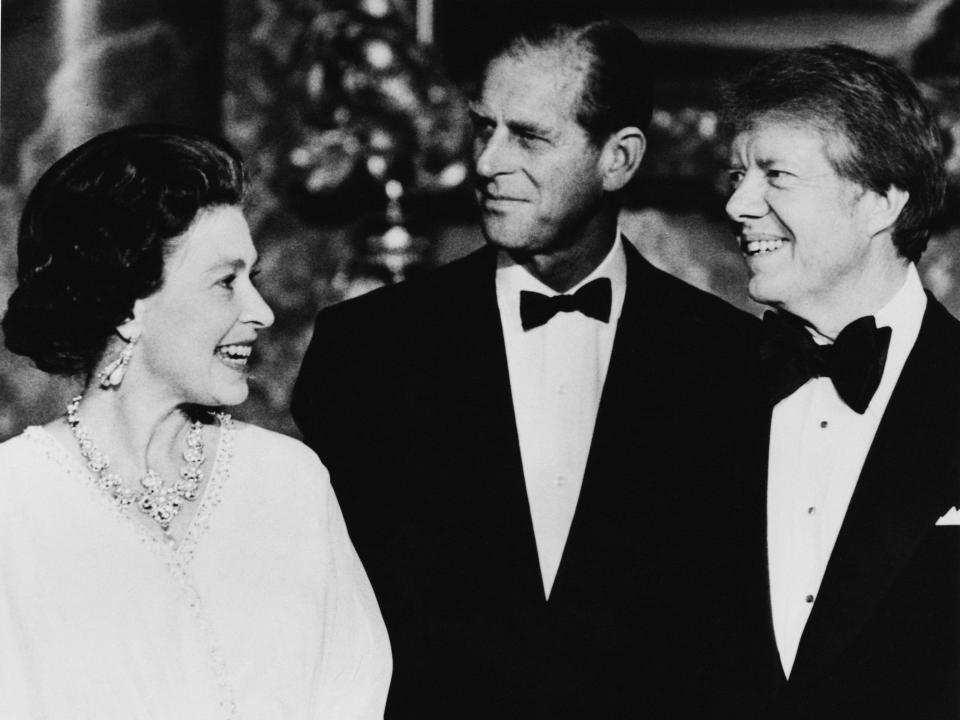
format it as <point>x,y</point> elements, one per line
<point>405,395</point>
<point>883,639</point>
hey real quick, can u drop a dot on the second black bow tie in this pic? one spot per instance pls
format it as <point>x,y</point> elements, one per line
<point>854,362</point>
<point>593,300</point>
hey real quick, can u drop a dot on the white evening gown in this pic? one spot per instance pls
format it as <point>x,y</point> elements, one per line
<point>263,610</point>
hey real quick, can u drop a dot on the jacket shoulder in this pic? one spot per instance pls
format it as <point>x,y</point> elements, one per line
<point>940,323</point>
<point>420,293</point>
<point>684,303</point>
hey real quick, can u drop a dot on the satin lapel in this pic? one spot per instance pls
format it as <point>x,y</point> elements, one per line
<point>629,376</point>
<point>773,654</point>
<point>477,376</point>
<point>636,333</point>
<point>906,482</point>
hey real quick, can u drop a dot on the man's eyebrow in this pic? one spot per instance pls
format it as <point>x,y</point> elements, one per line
<point>521,127</point>
<point>526,127</point>
<point>762,163</point>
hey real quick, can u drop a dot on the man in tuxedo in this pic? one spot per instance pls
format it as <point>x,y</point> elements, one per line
<point>837,172</point>
<point>536,447</point>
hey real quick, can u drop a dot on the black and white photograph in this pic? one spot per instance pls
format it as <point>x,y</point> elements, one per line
<point>442,359</point>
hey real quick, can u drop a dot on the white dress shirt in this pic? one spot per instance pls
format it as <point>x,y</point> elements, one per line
<point>557,372</point>
<point>817,449</point>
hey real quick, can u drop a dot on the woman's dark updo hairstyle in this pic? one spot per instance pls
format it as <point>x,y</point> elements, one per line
<point>96,230</point>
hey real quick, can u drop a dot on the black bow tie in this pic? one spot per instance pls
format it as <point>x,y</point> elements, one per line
<point>593,300</point>
<point>854,362</point>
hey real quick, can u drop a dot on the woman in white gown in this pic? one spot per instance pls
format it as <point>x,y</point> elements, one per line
<point>157,558</point>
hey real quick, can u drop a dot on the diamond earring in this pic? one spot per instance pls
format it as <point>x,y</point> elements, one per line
<point>112,375</point>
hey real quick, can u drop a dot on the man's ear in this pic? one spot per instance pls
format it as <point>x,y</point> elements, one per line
<point>621,156</point>
<point>886,208</point>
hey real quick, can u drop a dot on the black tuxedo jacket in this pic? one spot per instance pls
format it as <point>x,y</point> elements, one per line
<point>883,639</point>
<point>405,395</point>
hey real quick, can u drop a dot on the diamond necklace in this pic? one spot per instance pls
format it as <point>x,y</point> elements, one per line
<point>159,501</point>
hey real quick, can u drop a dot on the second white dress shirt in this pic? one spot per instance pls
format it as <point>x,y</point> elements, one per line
<point>817,449</point>
<point>557,373</point>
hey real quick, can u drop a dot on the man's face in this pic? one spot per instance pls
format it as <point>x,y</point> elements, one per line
<point>538,176</point>
<point>804,231</point>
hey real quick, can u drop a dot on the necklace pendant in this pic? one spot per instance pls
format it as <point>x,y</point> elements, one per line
<point>161,502</point>
<point>146,503</point>
<point>164,516</point>
<point>164,506</point>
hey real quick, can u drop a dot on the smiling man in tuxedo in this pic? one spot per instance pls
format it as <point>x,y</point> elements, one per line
<point>837,173</point>
<point>536,447</point>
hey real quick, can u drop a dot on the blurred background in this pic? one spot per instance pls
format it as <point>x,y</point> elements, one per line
<point>352,117</point>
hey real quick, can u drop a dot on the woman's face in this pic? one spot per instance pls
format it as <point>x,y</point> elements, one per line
<point>197,330</point>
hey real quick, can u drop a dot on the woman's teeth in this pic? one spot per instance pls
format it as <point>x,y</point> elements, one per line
<point>234,355</point>
<point>760,246</point>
